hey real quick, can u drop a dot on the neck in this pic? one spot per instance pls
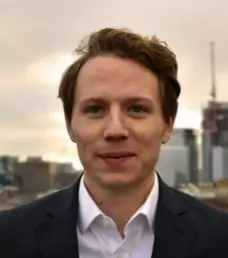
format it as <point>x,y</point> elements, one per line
<point>120,206</point>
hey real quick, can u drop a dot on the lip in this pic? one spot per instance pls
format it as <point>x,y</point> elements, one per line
<point>117,158</point>
<point>118,154</point>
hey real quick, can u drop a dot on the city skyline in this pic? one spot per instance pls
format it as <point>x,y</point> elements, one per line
<point>37,40</point>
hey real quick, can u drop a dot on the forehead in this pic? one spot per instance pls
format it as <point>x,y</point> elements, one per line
<point>115,78</point>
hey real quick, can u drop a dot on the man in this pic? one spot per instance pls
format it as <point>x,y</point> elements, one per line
<point>120,100</point>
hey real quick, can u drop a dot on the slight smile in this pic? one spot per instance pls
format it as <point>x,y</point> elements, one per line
<point>117,158</point>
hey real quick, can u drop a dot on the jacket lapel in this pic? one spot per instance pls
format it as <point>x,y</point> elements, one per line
<point>173,232</point>
<point>57,234</point>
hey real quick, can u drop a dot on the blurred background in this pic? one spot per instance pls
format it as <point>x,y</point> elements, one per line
<point>37,39</point>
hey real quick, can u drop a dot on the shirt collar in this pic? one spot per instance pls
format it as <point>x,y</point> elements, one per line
<point>89,211</point>
<point>148,209</point>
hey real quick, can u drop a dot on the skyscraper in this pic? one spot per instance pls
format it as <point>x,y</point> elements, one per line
<point>215,134</point>
<point>178,160</point>
<point>214,138</point>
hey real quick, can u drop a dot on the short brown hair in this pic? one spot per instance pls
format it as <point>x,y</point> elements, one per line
<point>151,53</point>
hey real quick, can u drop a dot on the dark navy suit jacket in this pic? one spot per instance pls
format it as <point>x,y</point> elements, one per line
<point>46,228</point>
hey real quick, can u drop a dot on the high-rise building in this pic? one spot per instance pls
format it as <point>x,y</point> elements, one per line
<point>214,140</point>
<point>215,134</point>
<point>178,160</point>
<point>36,175</point>
<point>7,164</point>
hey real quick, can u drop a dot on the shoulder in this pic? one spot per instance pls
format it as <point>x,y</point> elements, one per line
<point>31,212</point>
<point>199,207</point>
<point>18,225</point>
<point>210,222</point>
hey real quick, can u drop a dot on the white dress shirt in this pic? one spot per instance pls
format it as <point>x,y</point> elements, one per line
<point>98,236</point>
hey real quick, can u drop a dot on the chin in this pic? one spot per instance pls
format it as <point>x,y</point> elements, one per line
<point>118,182</point>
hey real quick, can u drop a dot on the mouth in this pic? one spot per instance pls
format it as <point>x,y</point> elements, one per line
<point>116,158</point>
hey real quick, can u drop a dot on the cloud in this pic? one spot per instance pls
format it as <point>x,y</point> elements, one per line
<point>49,70</point>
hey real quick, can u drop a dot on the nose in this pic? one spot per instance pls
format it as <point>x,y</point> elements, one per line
<point>116,129</point>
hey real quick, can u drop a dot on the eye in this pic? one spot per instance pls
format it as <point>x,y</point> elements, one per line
<point>138,109</point>
<point>94,110</point>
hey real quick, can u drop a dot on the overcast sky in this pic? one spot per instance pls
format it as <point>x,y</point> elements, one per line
<point>38,37</point>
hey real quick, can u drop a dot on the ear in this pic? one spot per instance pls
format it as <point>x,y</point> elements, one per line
<point>69,130</point>
<point>168,131</point>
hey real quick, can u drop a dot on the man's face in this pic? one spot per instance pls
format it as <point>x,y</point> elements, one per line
<point>117,121</point>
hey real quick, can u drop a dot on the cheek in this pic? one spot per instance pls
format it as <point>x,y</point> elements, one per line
<point>149,135</point>
<point>85,136</point>
<point>151,147</point>
<point>152,144</point>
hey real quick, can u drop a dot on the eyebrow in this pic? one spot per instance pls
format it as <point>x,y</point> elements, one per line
<point>102,100</point>
<point>87,100</point>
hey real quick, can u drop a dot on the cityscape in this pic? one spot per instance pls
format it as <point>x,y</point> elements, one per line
<point>193,161</point>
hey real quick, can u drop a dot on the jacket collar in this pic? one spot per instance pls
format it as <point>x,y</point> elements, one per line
<point>174,231</point>
<point>57,237</point>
